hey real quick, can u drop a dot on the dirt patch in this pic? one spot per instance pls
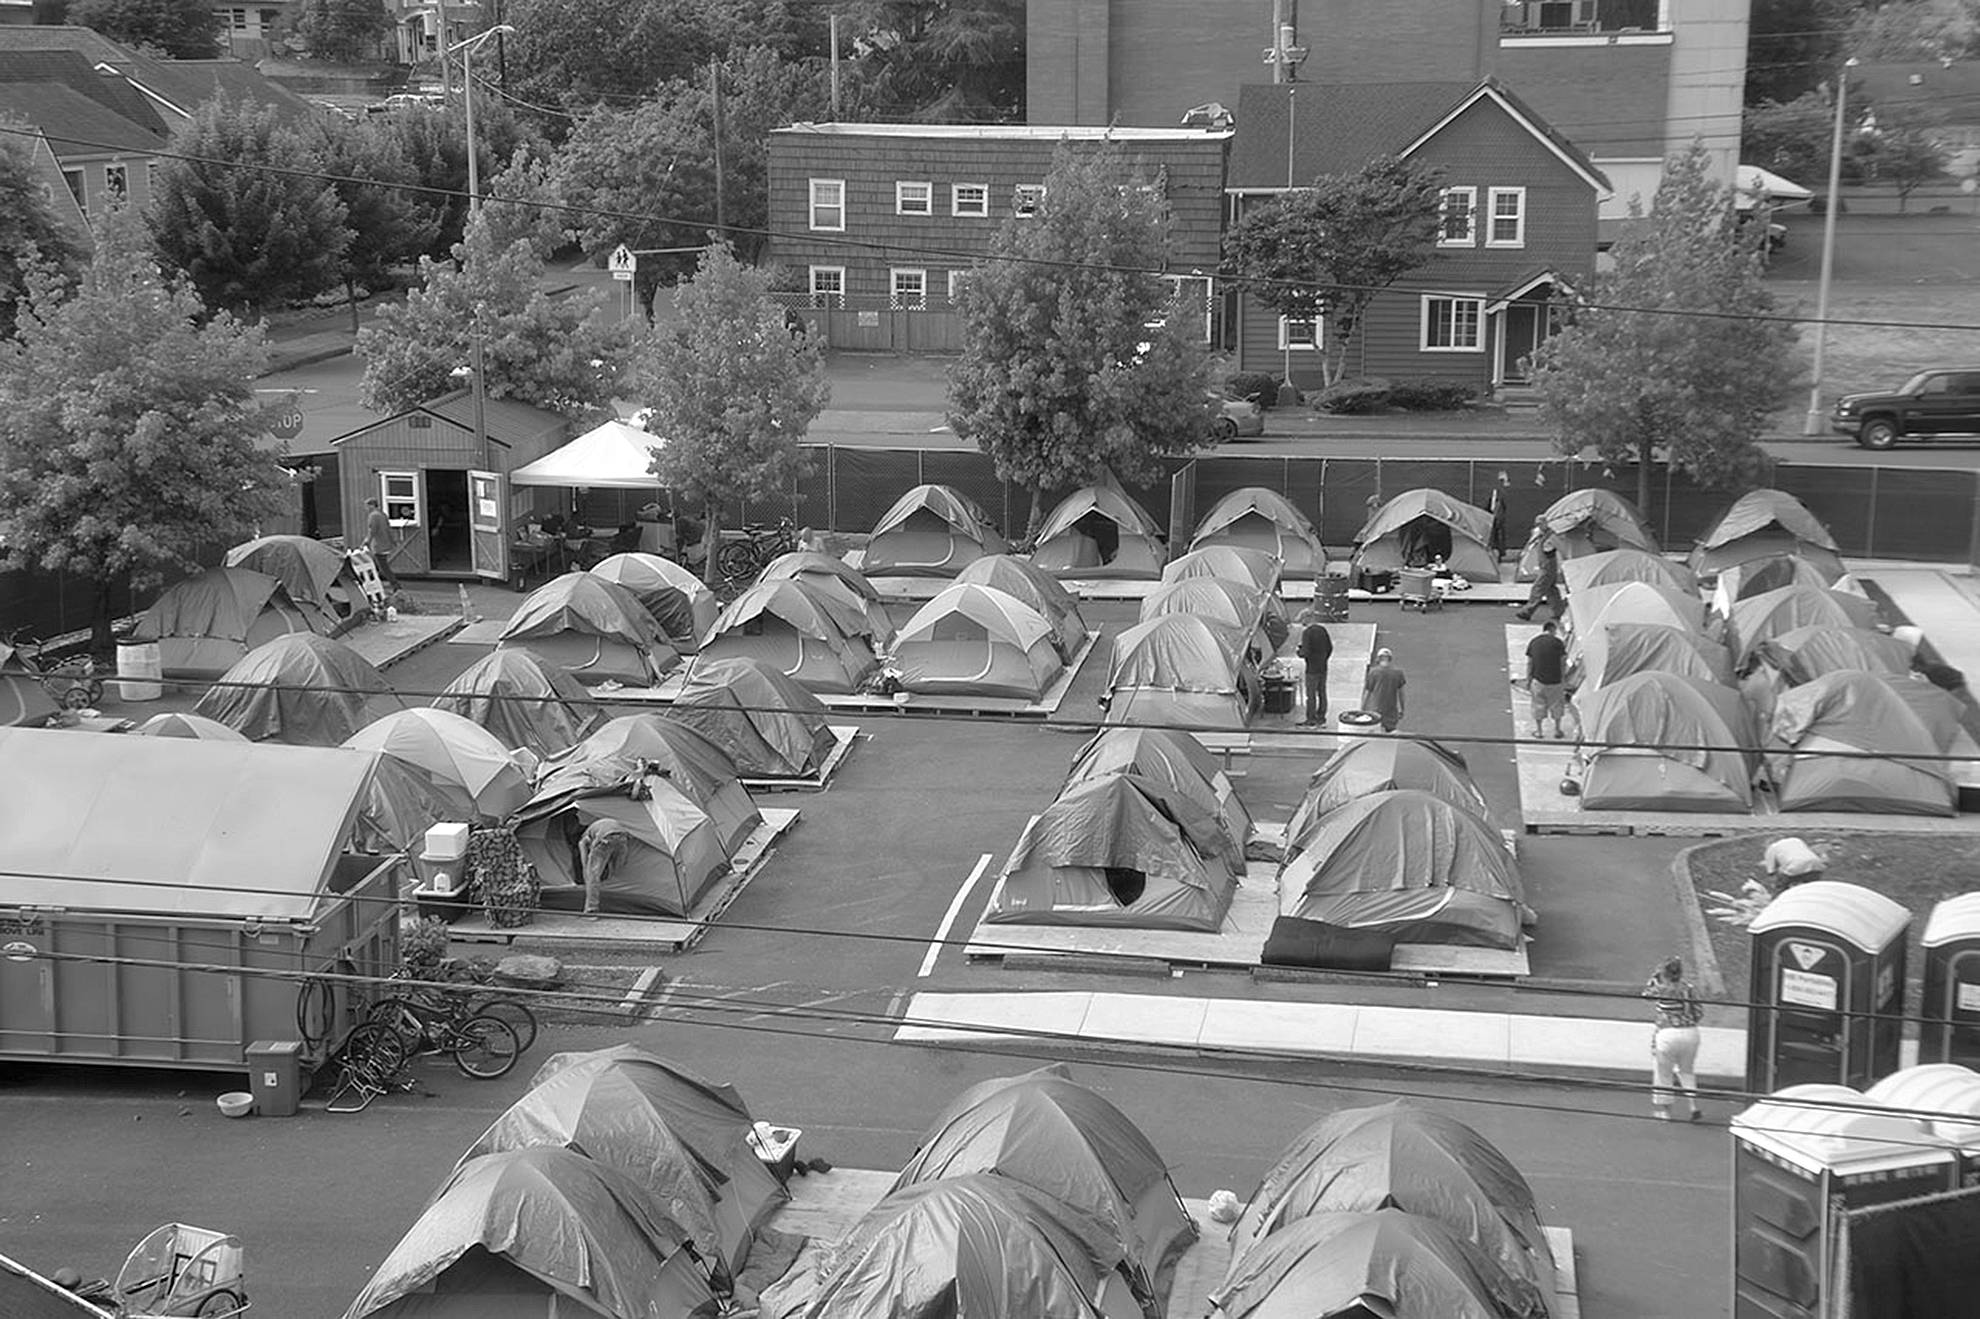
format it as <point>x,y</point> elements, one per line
<point>1916,870</point>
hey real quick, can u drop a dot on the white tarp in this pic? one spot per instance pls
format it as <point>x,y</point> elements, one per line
<point>613,456</point>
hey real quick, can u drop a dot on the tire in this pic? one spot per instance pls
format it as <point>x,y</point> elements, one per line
<point>736,559</point>
<point>1878,433</point>
<point>513,1014</point>
<point>396,1016</point>
<point>222,1303</point>
<point>374,1052</point>
<point>485,1047</point>
<point>1224,428</point>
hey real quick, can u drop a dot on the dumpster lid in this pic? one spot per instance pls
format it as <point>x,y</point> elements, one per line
<point>1957,917</point>
<point>1864,917</point>
<point>1936,1088</point>
<point>175,825</point>
<point>1836,1139</point>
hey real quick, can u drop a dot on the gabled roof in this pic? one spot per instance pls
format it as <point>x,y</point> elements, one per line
<point>73,123</point>
<point>149,83</point>
<point>1337,128</point>
<point>70,69</point>
<point>509,423</point>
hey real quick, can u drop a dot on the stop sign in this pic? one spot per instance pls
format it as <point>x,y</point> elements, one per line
<point>287,423</point>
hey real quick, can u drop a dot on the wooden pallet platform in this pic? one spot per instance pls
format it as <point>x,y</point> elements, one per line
<point>481,632</point>
<point>561,931</point>
<point>385,644</point>
<point>1011,707</point>
<point>843,737</point>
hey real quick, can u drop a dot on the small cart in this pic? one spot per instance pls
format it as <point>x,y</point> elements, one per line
<point>182,1271</point>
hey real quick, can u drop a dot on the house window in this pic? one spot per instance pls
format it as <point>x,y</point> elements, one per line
<point>910,290</point>
<point>958,278</point>
<point>828,204</point>
<point>828,286</point>
<point>237,19</point>
<point>1299,334</point>
<point>1453,324</point>
<point>914,199</point>
<point>1508,218</point>
<point>150,178</point>
<point>969,199</point>
<point>1025,198</point>
<point>77,189</point>
<point>398,497</point>
<point>1458,217</point>
<point>116,183</point>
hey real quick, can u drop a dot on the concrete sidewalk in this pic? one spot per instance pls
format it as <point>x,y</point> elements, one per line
<point>1504,1041</point>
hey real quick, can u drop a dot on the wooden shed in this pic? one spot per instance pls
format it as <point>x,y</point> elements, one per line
<point>447,494</point>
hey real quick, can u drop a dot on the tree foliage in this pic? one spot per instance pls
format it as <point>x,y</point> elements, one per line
<point>390,223</point>
<point>589,52</point>
<point>1901,152</point>
<point>1668,356</point>
<point>341,31</point>
<point>732,390</point>
<point>1791,138</point>
<point>434,142</point>
<point>1915,30</point>
<point>565,354</point>
<point>1793,46</point>
<point>31,233</point>
<point>182,29</point>
<point>940,61</point>
<point>128,423</point>
<point>228,209</point>
<point>1062,374</point>
<point>524,202</point>
<point>1329,249</point>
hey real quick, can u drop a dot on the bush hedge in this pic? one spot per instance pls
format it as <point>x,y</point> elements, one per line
<point>1431,395</point>
<point>1345,397</point>
<point>1244,384</point>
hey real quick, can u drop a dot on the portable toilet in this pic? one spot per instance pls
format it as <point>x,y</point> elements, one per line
<point>1827,992</point>
<point>1940,1088</point>
<point>1949,1027</point>
<point>1803,1167</point>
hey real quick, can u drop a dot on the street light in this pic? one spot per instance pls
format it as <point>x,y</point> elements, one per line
<point>478,384</point>
<point>1812,424</point>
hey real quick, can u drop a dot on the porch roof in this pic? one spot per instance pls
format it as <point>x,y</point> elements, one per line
<point>1525,284</point>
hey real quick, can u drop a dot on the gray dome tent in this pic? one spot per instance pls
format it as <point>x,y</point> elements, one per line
<point>319,579</point>
<point>976,640</point>
<point>1418,526</point>
<point>1582,523</point>
<point>1175,770</point>
<point>674,856</point>
<point>679,602</point>
<point>1765,524</point>
<point>1610,651</point>
<point>597,631</point>
<point>301,689</point>
<point>1385,765</point>
<point>1181,669</point>
<point>1359,1266</point>
<point>769,725</point>
<point>1656,741</point>
<point>527,703</point>
<point>1615,567</point>
<point>1098,532</point>
<point>835,579</point>
<point>1632,602</point>
<point>1852,711</point>
<point>204,625</point>
<point>931,531</point>
<point>1037,588</point>
<point>1255,518</point>
<point>1231,605</point>
<point>816,639</point>
<point>1759,618</point>
<point>1231,563</point>
<point>649,743</point>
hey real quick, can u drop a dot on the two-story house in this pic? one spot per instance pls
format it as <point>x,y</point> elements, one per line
<point>1518,221</point>
<point>1630,81</point>
<point>875,226</point>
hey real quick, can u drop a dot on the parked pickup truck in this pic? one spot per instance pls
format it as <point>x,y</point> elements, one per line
<point>1931,405</point>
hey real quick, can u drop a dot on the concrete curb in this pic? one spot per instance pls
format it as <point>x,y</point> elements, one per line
<point>1702,957</point>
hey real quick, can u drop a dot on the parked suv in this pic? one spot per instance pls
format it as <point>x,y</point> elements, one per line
<point>1929,405</point>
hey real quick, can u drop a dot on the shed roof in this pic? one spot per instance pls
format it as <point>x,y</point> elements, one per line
<point>1866,918</point>
<point>170,825</point>
<point>509,423</point>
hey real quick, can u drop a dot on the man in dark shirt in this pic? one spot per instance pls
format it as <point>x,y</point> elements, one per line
<point>1546,677</point>
<point>1546,587</point>
<point>1382,690</point>
<point>1316,647</point>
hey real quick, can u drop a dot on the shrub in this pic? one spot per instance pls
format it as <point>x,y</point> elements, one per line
<point>1353,396</point>
<point>1431,395</point>
<point>1244,384</point>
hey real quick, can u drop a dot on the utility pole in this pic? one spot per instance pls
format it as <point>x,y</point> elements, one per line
<point>1812,424</point>
<point>835,66</point>
<point>478,384</point>
<point>440,47</point>
<point>715,91</point>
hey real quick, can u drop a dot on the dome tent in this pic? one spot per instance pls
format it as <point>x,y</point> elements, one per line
<point>1582,523</point>
<point>1616,567</point>
<point>1759,618</point>
<point>1175,770</point>
<point>595,630</point>
<point>301,689</point>
<point>1803,653</point>
<point>1045,1131</point>
<point>769,725</point>
<point>1098,532</point>
<point>1255,518</point>
<point>1418,526</point>
<point>1765,524</point>
<point>1408,864</point>
<point>1181,669</point>
<point>1232,563</point>
<point>976,640</point>
<point>1758,576</point>
<point>1360,1265</point>
<point>1656,741</point>
<point>187,725</point>
<point>1631,602</point>
<point>1610,651</point>
<point>1230,605</point>
<point>1852,711</point>
<point>931,531</point>
<point>798,630</point>
<point>1384,765</point>
<point>319,579</point>
<point>635,745</point>
<point>1035,587</point>
<point>527,703</point>
<point>205,624</point>
<point>1106,853</point>
<point>674,856</point>
<point>835,579</point>
<point>462,761</point>
<point>679,602</point>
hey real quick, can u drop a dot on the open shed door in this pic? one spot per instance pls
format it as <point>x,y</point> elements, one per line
<point>488,523</point>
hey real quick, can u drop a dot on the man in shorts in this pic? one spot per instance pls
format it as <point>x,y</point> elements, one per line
<point>1546,678</point>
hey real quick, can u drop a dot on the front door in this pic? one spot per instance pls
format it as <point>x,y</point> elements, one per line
<point>1519,335</point>
<point>488,541</point>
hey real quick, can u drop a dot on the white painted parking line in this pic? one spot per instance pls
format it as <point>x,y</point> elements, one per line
<point>949,917</point>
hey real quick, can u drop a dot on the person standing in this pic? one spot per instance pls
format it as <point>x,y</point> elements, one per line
<point>1496,506</point>
<point>1382,690</point>
<point>1674,1041</point>
<point>379,540</point>
<point>1316,648</point>
<point>601,851</point>
<point>1546,587</point>
<point>1546,678</point>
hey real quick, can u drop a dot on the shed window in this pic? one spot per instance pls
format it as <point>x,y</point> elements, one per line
<point>398,497</point>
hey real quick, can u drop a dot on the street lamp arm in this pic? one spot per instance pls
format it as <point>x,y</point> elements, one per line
<point>470,43</point>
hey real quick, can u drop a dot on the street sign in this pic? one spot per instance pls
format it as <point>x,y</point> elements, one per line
<point>623,262</point>
<point>287,423</point>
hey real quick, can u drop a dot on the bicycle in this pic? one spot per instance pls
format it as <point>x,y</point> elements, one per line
<point>74,683</point>
<point>370,1062</point>
<point>760,543</point>
<point>481,1045</point>
<point>477,999</point>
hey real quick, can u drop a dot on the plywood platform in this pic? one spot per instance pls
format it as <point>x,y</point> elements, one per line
<point>1012,707</point>
<point>843,737</point>
<point>481,632</point>
<point>384,644</point>
<point>560,931</point>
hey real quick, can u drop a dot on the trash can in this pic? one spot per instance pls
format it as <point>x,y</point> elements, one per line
<point>1356,725</point>
<point>275,1076</point>
<point>1949,1031</point>
<point>1827,991</point>
<point>1330,594</point>
<point>139,668</point>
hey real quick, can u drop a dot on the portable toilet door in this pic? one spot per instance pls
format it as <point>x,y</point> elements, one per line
<point>1949,1029</point>
<point>1951,1095</point>
<point>1827,990</point>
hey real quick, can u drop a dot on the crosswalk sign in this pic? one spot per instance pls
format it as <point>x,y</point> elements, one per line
<point>622,262</point>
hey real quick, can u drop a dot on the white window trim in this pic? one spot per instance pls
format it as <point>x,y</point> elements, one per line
<point>77,180</point>
<point>1423,343</point>
<point>927,194</point>
<point>840,227</point>
<point>920,302</point>
<point>385,501</point>
<point>1036,191</point>
<point>1491,218</point>
<point>1288,344</point>
<point>817,293</point>
<point>117,191</point>
<point>957,278</point>
<point>978,210</point>
<point>1470,238</point>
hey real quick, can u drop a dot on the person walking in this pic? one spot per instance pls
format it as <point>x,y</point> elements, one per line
<point>1674,1041</point>
<point>1546,678</point>
<point>1382,689</point>
<point>1546,587</point>
<point>1316,648</point>
<point>378,539</point>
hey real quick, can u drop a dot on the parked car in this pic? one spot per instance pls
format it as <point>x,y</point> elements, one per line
<point>1236,416</point>
<point>1933,404</point>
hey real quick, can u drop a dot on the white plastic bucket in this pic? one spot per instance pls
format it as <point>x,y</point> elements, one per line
<point>1355,726</point>
<point>139,670</point>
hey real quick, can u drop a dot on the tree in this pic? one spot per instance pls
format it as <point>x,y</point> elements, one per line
<point>732,391</point>
<point>1792,46</point>
<point>1063,373</point>
<point>434,142</point>
<point>564,353</point>
<point>230,210</point>
<point>942,61</point>
<point>1902,152</point>
<point>182,29</point>
<point>1671,353</point>
<point>128,424</point>
<point>523,202</point>
<point>31,233</point>
<point>1916,30</point>
<point>341,31</point>
<point>588,52</point>
<point>1791,138</point>
<point>388,222</point>
<point>1327,250</point>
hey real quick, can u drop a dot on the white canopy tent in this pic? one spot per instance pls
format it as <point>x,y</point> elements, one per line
<point>1754,185</point>
<point>613,456</point>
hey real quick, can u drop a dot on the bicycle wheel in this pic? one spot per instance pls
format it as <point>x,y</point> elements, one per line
<point>222,1303</point>
<point>484,1047</point>
<point>373,1053</point>
<point>513,1014</point>
<point>736,559</point>
<point>400,1017</point>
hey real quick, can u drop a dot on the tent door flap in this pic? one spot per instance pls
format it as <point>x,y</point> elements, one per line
<point>488,540</point>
